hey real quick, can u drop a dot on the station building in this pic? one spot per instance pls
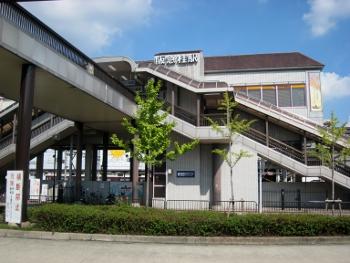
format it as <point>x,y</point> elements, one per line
<point>79,102</point>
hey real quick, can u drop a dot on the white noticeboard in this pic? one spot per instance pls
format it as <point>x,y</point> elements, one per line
<point>34,192</point>
<point>14,196</point>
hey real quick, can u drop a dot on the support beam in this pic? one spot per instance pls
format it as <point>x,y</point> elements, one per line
<point>14,127</point>
<point>79,156</point>
<point>40,166</point>
<point>198,110</point>
<point>217,167</point>
<point>24,130</point>
<point>267,132</point>
<point>305,149</point>
<point>59,175</point>
<point>94,164</point>
<point>172,100</point>
<point>134,176</point>
<point>105,156</point>
<point>88,161</point>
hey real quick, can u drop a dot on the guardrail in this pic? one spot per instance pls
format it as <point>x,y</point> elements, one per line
<point>182,78</point>
<point>22,19</point>
<point>37,129</point>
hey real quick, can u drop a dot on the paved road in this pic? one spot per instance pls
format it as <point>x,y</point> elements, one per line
<point>13,250</point>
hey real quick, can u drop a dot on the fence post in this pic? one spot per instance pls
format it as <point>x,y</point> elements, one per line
<point>282,199</point>
<point>299,199</point>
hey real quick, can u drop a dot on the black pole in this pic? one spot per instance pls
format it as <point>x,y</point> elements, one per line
<point>24,130</point>
<point>79,126</point>
<point>94,164</point>
<point>282,199</point>
<point>59,175</point>
<point>54,177</point>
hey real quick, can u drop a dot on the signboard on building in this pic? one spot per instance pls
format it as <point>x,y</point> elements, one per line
<point>185,174</point>
<point>171,59</point>
<point>315,91</point>
<point>14,196</point>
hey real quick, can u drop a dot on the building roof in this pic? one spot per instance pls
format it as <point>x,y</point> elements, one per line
<point>274,61</point>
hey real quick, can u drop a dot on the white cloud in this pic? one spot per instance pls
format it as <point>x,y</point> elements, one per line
<point>324,14</point>
<point>92,25</point>
<point>334,86</point>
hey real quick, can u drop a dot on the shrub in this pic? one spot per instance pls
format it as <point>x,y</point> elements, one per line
<point>130,220</point>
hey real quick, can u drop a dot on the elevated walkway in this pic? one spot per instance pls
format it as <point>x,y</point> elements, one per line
<point>67,83</point>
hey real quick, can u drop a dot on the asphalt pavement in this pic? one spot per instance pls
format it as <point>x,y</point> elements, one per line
<point>19,250</point>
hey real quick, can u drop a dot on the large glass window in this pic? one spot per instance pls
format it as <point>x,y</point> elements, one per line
<point>284,96</point>
<point>269,94</point>
<point>254,92</point>
<point>298,95</point>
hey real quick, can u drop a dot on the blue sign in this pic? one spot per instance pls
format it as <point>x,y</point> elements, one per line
<point>185,174</point>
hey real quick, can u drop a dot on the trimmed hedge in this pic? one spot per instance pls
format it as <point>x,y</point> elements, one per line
<point>130,220</point>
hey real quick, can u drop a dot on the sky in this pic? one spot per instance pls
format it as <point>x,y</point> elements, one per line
<point>140,28</point>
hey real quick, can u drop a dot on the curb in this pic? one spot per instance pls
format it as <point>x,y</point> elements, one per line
<point>190,240</point>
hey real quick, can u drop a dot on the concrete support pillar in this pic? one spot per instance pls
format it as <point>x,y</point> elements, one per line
<point>94,164</point>
<point>14,128</point>
<point>40,166</point>
<point>59,175</point>
<point>172,100</point>
<point>88,161</point>
<point>198,109</point>
<point>305,149</point>
<point>105,156</point>
<point>24,130</point>
<point>79,157</point>
<point>134,176</point>
<point>217,170</point>
<point>267,132</point>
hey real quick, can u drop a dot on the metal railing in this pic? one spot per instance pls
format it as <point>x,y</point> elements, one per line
<point>219,118</point>
<point>205,205</point>
<point>272,107</point>
<point>182,78</point>
<point>37,129</point>
<point>22,19</point>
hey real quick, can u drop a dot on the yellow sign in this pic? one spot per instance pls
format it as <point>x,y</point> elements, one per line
<point>117,153</point>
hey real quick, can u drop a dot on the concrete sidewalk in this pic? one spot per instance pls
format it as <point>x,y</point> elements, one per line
<point>41,235</point>
<point>19,250</point>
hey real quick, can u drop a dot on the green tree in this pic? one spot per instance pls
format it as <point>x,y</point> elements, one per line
<point>230,128</point>
<point>150,132</point>
<point>328,151</point>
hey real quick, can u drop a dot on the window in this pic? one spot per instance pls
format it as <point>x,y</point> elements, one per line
<point>241,90</point>
<point>284,96</point>
<point>254,92</point>
<point>298,95</point>
<point>269,94</point>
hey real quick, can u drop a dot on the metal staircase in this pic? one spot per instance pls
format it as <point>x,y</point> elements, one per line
<point>267,147</point>
<point>46,130</point>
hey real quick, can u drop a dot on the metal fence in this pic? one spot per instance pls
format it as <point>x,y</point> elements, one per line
<point>204,205</point>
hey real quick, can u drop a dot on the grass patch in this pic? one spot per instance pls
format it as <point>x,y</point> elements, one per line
<point>142,221</point>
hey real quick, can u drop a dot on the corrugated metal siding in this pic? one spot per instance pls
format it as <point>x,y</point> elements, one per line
<point>245,178</point>
<point>184,188</point>
<point>258,77</point>
<point>206,171</point>
<point>188,101</point>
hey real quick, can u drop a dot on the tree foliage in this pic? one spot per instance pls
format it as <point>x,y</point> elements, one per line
<point>150,131</point>
<point>230,128</point>
<point>328,150</point>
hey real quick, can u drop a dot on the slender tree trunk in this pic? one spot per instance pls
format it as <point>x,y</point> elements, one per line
<point>147,185</point>
<point>333,194</point>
